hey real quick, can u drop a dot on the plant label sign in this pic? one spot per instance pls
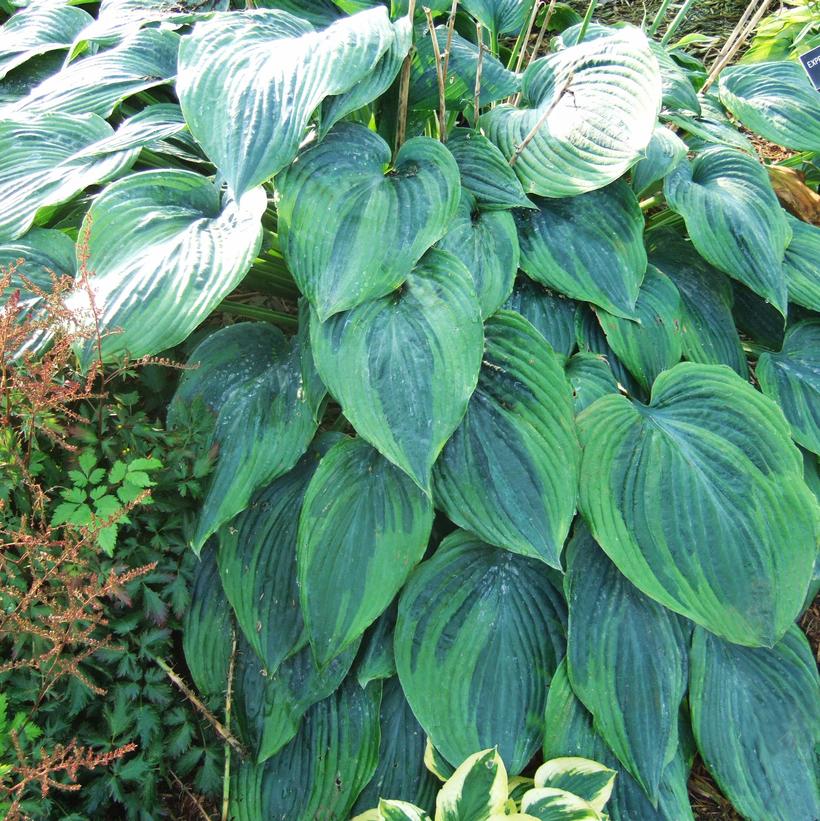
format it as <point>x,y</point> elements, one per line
<point>811,62</point>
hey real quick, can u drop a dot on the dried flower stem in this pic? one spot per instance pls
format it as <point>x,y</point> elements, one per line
<point>404,86</point>
<point>442,103</point>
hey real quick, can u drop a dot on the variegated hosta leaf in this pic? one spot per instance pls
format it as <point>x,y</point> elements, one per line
<point>271,704</point>
<point>162,253</point>
<point>487,243</point>
<point>37,30</point>
<point>499,16</point>
<point>627,661</point>
<point>97,84</point>
<point>552,315</point>
<point>485,173</point>
<point>496,81</point>
<point>665,150</point>
<point>336,199</point>
<point>322,770</point>
<point>709,336</point>
<point>364,526</point>
<point>590,377</point>
<point>792,379</point>
<point>756,717</point>
<point>588,247</point>
<point>587,779</point>
<point>509,472</point>
<point>476,790</point>
<point>733,218</point>
<point>776,100</point>
<point>42,164</point>
<point>479,633</point>
<point>250,380</point>
<point>699,500</point>
<point>404,367</point>
<point>588,113</point>
<point>652,343</point>
<point>800,263</point>
<point>551,804</point>
<point>150,125</point>
<point>248,83</point>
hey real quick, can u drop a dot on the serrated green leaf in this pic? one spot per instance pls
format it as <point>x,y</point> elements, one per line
<point>551,314</point>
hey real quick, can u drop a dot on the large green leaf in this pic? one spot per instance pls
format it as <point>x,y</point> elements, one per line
<point>699,500</point>
<point>756,717</point>
<point>479,633</point>
<point>162,253</point>
<point>800,263</point>
<point>590,377</point>
<point>322,770</point>
<point>476,790</point>
<point>404,367</point>
<point>249,378</point>
<point>665,150</point>
<point>552,315</point>
<point>733,218</point>
<point>500,16</point>
<point>42,165</point>
<point>591,110</point>
<point>97,84</point>
<point>776,100</point>
<point>363,528</point>
<point>510,471</point>
<point>148,126</point>
<point>248,83</point>
<point>319,13</point>
<point>340,187</point>
<point>627,661</point>
<point>651,344</point>
<point>678,92</point>
<point>487,243</point>
<point>587,779</point>
<point>711,127</point>
<point>792,379</point>
<point>588,247</point>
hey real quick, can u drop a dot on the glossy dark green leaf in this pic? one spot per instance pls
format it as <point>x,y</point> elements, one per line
<point>476,790</point>
<point>364,526</point>
<point>652,343</point>
<point>756,717</point>
<point>733,218</point>
<point>627,661</point>
<point>664,152</point>
<point>588,247</point>
<point>552,315</point>
<point>404,367</point>
<point>792,378</point>
<point>341,186</point>
<point>591,378</point>
<point>800,263</point>
<point>699,500</point>
<point>509,472</point>
<point>479,633</point>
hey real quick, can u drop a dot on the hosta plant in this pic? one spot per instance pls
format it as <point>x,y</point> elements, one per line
<point>519,450</point>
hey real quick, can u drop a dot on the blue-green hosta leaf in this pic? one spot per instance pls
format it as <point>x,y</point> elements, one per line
<point>485,173</point>
<point>479,633</point>
<point>364,526</point>
<point>38,30</point>
<point>709,333</point>
<point>665,150</point>
<point>733,218</point>
<point>319,13</point>
<point>591,378</point>
<point>499,16</point>
<point>97,84</point>
<point>588,247</point>
<point>496,81</point>
<point>792,379</point>
<point>35,257</point>
<point>322,770</point>
<point>476,790</point>
<point>776,100</point>
<point>162,253</point>
<point>756,717</point>
<point>800,263</point>
<point>400,773</point>
<point>315,391</point>
<point>552,804</point>
<point>404,367</point>
<point>377,659</point>
<point>248,83</point>
<point>591,110</point>
<point>759,320</point>
<point>271,704</point>
<point>699,500</point>
<point>41,165</point>
<point>487,243</point>
<point>587,779</point>
<point>249,378</point>
<point>552,315</point>
<point>711,128</point>
<point>336,198</point>
<point>509,472</point>
<point>652,344</point>
<point>678,92</point>
<point>148,126</point>
<point>627,661</point>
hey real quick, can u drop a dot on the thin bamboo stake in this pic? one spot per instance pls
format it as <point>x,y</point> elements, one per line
<point>442,103</point>
<point>542,32</point>
<point>226,775</point>
<point>523,52</point>
<point>404,86</point>
<point>477,92</point>
<point>541,120</point>
<point>451,24</point>
<point>747,13</point>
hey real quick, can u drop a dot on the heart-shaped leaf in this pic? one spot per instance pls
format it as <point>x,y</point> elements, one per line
<point>699,500</point>
<point>336,198</point>
<point>499,16</point>
<point>490,624</point>
<point>665,150</point>
<point>510,470</point>
<point>404,367</point>
<point>552,315</point>
<point>800,263</point>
